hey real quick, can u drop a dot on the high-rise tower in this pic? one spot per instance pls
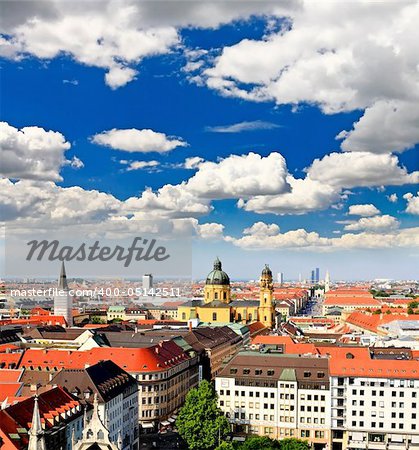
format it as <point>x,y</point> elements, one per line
<point>266,307</point>
<point>63,303</point>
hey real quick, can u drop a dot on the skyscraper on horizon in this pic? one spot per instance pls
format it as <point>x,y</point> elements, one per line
<point>147,281</point>
<point>280,277</point>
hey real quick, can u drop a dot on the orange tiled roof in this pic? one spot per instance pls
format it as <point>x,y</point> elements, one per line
<point>356,301</point>
<point>371,322</point>
<point>290,346</point>
<point>155,358</point>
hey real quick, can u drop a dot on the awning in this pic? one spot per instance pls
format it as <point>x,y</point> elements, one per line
<point>147,425</point>
<point>171,420</point>
<point>165,423</point>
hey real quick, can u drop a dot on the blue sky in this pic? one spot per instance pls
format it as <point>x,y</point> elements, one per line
<point>61,93</point>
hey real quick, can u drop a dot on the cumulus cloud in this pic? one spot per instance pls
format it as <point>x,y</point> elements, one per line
<point>193,162</point>
<point>366,210</point>
<point>137,165</point>
<point>360,169</point>
<point>243,126</point>
<point>32,153</point>
<point>133,140</point>
<point>374,224</point>
<point>306,195</point>
<point>35,201</point>
<point>262,229</point>
<point>210,231</point>
<point>168,201</point>
<point>303,239</point>
<point>387,126</point>
<point>240,176</point>
<point>392,198</point>
<point>113,36</point>
<point>412,203</point>
<point>340,57</point>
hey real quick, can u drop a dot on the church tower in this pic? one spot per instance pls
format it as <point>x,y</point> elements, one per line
<point>63,303</point>
<point>36,433</point>
<point>217,285</point>
<point>266,306</point>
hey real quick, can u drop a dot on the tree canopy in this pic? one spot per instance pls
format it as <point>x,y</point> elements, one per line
<point>201,422</point>
<point>265,443</point>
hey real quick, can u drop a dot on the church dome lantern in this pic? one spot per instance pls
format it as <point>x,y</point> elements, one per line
<point>217,276</point>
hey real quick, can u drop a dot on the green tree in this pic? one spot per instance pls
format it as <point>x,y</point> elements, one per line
<point>201,422</point>
<point>410,310</point>
<point>260,443</point>
<point>294,444</point>
<point>225,446</point>
<point>413,304</point>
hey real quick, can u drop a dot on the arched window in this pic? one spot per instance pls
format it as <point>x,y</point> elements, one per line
<point>216,295</point>
<point>225,295</point>
<point>183,316</point>
<point>239,317</point>
<point>214,316</point>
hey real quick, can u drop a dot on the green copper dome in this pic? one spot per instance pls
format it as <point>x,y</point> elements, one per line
<point>217,276</point>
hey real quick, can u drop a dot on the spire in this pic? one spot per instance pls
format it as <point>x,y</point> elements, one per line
<point>217,264</point>
<point>62,282</point>
<point>36,433</point>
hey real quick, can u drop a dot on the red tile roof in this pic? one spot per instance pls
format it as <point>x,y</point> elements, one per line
<point>17,417</point>
<point>371,322</point>
<point>9,390</point>
<point>357,301</point>
<point>155,358</point>
<point>290,346</point>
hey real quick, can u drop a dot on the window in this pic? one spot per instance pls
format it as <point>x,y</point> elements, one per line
<point>233,371</point>
<point>271,372</point>
<point>258,372</point>
<point>307,374</point>
<point>320,374</point>
<point>214,315</point>
<point>246,371</point>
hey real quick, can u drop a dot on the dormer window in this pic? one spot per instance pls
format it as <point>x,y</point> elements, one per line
<point>307,374</point>
<point>258,372</point>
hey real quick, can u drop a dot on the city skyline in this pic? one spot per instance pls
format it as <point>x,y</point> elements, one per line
<point>184,119</point>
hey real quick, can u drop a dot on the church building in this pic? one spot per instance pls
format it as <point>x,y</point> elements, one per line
<point>218,307</point>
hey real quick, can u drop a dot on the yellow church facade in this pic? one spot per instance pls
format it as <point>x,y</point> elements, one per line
<point>217,306</point>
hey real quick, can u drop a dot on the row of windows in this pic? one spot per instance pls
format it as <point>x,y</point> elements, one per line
<point>314,397</point>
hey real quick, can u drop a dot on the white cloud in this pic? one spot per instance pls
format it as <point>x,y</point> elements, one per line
<point>386,126</point>
<point>168,201</point>
<point>341,57</point>
<point>262,229</point>
<point>366,210</point>
<point>303,239</point>
<point>412,203</point>
<point>240,176</point>
<point>210,231</point>
<point>193,162</point>
<point>306,195</point>
<point>374,224</point>
<point>137,165</point>
<point>32,153</point>
<point>243,126</point>
<point>133,140</point>
<point>360,169</point>
<point>114,36</point>
<point>76,163</point>
<point>45,202</point>
<point>392,198</point>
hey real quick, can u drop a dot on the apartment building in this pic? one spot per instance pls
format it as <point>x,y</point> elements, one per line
<point>163,370</point>
<point>374,402</point>
<point>276,395</point>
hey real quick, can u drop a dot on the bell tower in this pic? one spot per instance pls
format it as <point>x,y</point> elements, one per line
<point>266,307</point>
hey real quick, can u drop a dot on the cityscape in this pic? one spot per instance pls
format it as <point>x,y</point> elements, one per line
<point>209,234</point>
